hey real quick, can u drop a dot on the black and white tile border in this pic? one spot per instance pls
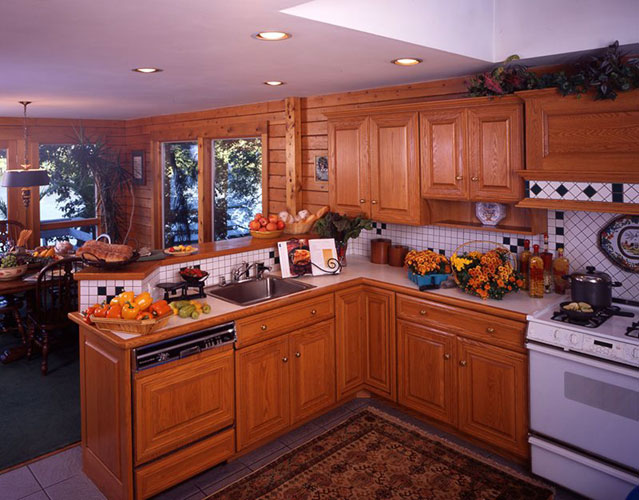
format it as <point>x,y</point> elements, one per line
<point>609,192</point>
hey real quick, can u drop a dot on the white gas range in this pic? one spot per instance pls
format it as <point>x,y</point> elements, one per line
<point>584,400</point>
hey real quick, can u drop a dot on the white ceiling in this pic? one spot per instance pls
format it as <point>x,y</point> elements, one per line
<point>73,58</point>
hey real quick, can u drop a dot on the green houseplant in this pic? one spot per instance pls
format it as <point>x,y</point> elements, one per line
<point>341,228</point>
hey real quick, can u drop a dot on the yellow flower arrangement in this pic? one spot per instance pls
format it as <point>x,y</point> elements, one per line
<point>487,275</point>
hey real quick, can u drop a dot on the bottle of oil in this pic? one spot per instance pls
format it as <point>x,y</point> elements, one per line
<point>524,258</point>
<point>536,274</point>
<point>560,268</point>
<point>546,257</point>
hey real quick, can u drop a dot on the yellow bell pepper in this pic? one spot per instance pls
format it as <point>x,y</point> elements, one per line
<point>130,311</point>
<point>125,297</point>
<point>143,301</point>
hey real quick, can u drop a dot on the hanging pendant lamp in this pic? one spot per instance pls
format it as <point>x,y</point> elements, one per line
<point>26,177</point>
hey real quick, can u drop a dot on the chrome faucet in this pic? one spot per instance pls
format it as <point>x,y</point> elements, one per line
<point>241,273</point>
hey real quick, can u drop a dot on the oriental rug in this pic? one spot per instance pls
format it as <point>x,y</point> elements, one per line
<point>373,455</point>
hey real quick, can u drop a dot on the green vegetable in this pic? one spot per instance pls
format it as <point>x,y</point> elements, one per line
<point>195,315</point>
<point>186,311</point>
<point>206,308</point>
<point>179,304</point>
<point>9,260</point>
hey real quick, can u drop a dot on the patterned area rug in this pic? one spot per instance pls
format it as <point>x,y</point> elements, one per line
<point>375,456</point>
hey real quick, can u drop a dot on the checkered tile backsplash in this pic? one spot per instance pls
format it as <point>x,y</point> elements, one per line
<point>583,191</point>
<point>575,231</point>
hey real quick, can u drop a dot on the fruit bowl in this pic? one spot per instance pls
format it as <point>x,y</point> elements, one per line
<point>11,273</point>
<point>265,235</point>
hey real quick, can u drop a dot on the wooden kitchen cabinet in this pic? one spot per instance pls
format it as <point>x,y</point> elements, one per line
<point>350,340</point>
<point>312,365</point>
<point>374,166</point>
<point>262,398</point>
<point>472,150</point>
<point>380,347</point>
<point>426,370</point>
<point>493,395</point>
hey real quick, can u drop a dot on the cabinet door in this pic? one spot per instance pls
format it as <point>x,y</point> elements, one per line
<point>443,168</point>
<point>379,325</point>
<point>493,395</point>
<point>394,168</point>
<point>426,371</point>
<point>349,183</point>
<point>495,138</point>
<point>312,358</point>
<point>262,399</point>
<point>179,404</point>
<point>350,341</point>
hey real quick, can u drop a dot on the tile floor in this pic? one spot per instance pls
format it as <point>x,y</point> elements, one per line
<point>60,477</point>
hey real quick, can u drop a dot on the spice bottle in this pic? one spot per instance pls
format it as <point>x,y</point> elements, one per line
<point>560,268</point>
<point>546,257</point>
<point>536,274</point>
<point>524,257</point>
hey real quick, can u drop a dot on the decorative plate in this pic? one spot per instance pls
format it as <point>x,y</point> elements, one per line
<point>490,214</point>
<point>180,253</point>
<point>619,241</point>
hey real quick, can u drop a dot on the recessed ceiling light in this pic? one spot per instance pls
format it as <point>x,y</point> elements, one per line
<point>146,70</point>
<point>271,36</point>
<point>274,83</point>
<point>406,61</point>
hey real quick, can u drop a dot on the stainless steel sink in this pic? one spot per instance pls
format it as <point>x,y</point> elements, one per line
<point>254,291</point>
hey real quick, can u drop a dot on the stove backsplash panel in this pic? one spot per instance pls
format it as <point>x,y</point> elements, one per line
<point>575,231</point>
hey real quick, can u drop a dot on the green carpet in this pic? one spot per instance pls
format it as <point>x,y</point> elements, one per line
<point>39,414</point>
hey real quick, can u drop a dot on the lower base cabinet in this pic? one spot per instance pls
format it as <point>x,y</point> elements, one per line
<point>284,380</point>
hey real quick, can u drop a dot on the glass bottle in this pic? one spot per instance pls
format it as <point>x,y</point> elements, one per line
<point>524,257</point>
<point>560,268</point>
<point>536,274</point>
<point>546,257</point>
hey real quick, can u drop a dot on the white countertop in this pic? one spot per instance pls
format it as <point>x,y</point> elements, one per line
<point>361,267</point>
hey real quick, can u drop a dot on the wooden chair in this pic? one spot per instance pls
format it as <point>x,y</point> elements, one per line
<point>9,232</point>
<point>56,295</point>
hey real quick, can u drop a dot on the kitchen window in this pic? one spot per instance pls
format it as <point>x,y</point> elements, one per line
<point>68,203</point>
<point>237,185</point>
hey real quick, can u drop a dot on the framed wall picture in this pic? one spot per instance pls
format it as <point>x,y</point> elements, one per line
<point>323,256</point>
<point>137,167</point>
<point>321,168</point>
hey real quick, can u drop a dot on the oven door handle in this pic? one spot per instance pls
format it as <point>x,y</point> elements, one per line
<point>558,352</point>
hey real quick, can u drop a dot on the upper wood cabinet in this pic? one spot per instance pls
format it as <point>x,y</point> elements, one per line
<point>374,166</point>
<point>580,139</point>
<point>472,149</point>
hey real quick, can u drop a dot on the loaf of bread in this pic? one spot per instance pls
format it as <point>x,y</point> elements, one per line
<point>97,250</point>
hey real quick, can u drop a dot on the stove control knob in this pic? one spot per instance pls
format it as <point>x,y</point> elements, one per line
<point>573,338</point>
<point>557,334</point>
<point>635,352</point>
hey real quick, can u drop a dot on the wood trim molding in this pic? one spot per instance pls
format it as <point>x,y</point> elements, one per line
<point>586,206</point>
<point>204,190</point>
<point>293,138</point>
<point>265,173</point>
<point>157,217</point>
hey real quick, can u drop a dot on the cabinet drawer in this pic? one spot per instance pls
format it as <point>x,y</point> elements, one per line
<point>485,327</point>
<point>264,326</point>
<point>168,471</point>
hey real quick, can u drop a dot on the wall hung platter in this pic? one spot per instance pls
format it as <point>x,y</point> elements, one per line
<point>619,241</point>
<point>490,214</point>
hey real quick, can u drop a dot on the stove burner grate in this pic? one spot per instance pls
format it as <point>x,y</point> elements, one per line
<point>596,320</point>
<point>633,330</point>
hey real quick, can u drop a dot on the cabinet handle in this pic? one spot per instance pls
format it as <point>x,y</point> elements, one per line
<point>463,363</point>
<point>263,327</point>
<point>423,312</point>
<point>362,200</point>
<point>313,312</point>
<point>373,202</point>
<point>446,356</point>
<point>474,179</point>
<point>459,178</point>
<point>285,359</point>
<point>298,355</point>
<point>490,329</point>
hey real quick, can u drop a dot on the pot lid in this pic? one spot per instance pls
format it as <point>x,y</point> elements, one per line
<point>592,276</point>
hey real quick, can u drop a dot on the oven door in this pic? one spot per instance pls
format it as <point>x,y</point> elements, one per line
<point>585,403</point>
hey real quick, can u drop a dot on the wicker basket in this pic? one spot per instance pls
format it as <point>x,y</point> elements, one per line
<point>299,227</point>
<point>141,327</point>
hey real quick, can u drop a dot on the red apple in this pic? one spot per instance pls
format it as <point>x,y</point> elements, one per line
<point>280,224</point>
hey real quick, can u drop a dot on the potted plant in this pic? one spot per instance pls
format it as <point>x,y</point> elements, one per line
<point>341,228</point>
<point>427,267</point>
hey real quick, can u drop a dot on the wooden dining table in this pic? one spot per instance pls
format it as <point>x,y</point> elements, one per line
<point>8,288</point>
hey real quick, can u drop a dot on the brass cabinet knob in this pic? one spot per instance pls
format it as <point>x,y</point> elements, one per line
<point>463,363</point>
<point>298,354</point>
<point>474,179</point>
<point>490,329</point>
<point>362,200</point>
<point>446,356</point>
<point>374,202</point>
<point>263,327</point>
<point>313,312</point>
<point>423,312</point>
<point>459,178</point>
<point>285,359</point>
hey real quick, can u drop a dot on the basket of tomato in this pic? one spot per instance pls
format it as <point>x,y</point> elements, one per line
<point>129,313</point>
